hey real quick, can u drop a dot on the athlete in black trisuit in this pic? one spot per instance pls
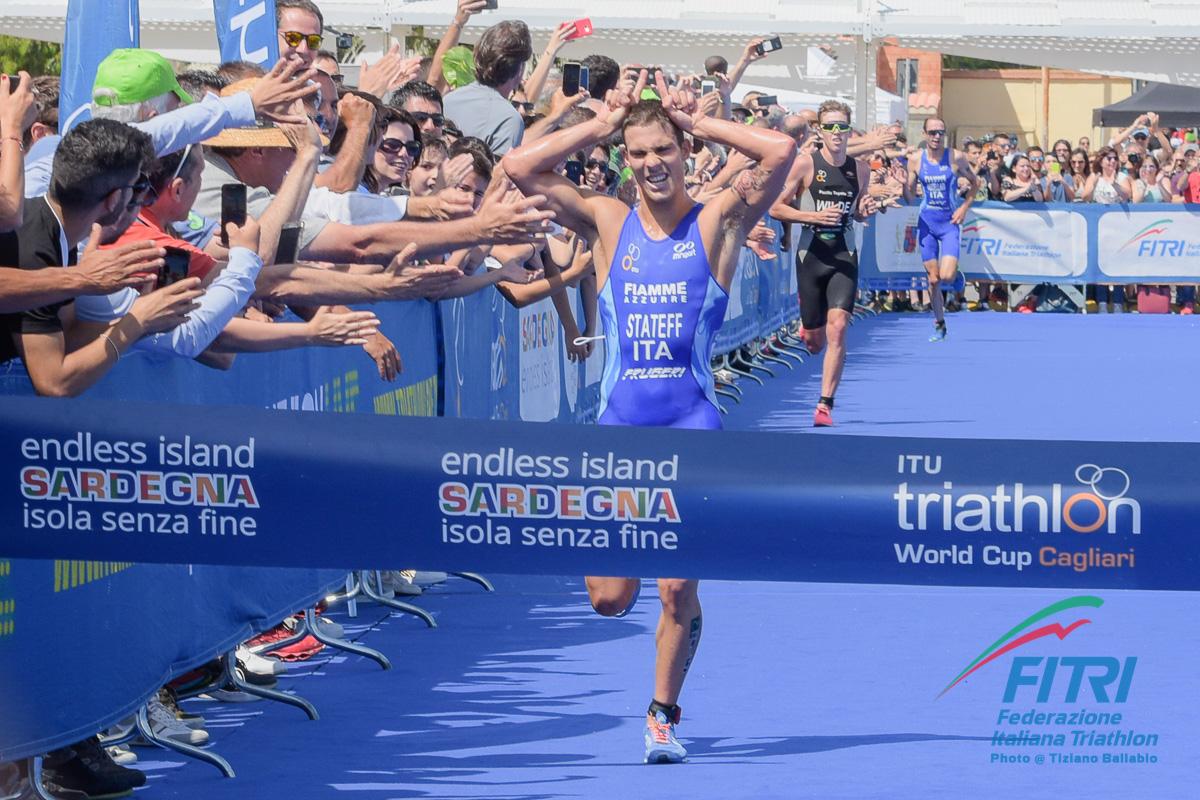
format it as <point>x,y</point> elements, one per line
<point>832,191</point>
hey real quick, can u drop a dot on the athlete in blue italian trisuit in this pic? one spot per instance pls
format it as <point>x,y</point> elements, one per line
<point>831,190</point>
<point>664,268</point>
<point>939,222</point>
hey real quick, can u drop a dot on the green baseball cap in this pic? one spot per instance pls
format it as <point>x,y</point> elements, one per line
<point>135,76</point>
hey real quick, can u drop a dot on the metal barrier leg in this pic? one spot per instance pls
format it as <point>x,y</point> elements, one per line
<point>142,721</point>
<point>407,608</point>
<point>749,364</point>
<point>476,578</point>
<point>35,780</point>
<point>310,619</point>
<point>768,356</point>
<point>723,393</point>
<point>269,694</point>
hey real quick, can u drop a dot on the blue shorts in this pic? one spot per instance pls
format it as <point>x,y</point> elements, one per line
<point>933,232</point>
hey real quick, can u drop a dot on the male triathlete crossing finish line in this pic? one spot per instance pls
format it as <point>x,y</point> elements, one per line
<point>657,365</point>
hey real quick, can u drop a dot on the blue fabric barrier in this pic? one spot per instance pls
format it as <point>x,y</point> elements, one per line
<point>84,643</point>
<point>1050,242</point>
<point>141,624</point>
<point>255,487</point>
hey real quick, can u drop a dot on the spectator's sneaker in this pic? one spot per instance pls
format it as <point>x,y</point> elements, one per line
<point>121,755</point>
<point>429,578</point>
<point>1118,308</point>
<point>259,665</point>
<point>258,679</point>
<point>400,581</point>
<point>661,745</point>
<point>266,639</point>
<point>86,768</point>
<point>823,416</point>
<point>165,726</point>
<point>1091,306</point>
<point>939,332</point>
<point>167,698</point>
<point>632,601</point>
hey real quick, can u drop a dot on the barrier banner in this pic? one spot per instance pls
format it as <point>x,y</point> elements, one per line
<point>1049,243</point>
<point>157,483</point>
<point>246,31</point>
<point>1026,243</point>
<point>93,30</point>
<point>1135,244</point>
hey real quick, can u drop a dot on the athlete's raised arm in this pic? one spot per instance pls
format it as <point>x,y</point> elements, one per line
<point>532,167</point>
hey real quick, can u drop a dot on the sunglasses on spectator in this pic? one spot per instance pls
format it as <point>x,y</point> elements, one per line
<point>835,127</point>
<point>936,132</point>
<point>1037,159</point>
<point>1078,162</point>
<point>1110,157</point>
<point>438,120</point>
<point>337,78</point>
<point>143,192</point>
<point>393,146</point>
<point>294,38</point>
<point>524,108</point>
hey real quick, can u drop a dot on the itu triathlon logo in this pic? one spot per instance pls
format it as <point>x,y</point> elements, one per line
<point>1024,633</point>
<point>1152,242</point>
<point>629,261</point>
<point>1101,501</point>
<point>684,250</point>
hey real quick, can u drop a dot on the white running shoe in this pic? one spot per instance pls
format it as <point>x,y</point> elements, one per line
<point>165,726</point>
<point>427,578</point>
<point>122,755</point>
<point>258,664</point>
<point>661,745</point>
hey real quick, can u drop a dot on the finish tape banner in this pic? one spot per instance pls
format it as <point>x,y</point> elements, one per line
<point>246,487</point>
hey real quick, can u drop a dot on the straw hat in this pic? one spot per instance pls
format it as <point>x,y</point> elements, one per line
<point>263,134</point>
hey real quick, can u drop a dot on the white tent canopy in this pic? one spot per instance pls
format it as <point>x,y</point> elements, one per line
<point>1150,39</point>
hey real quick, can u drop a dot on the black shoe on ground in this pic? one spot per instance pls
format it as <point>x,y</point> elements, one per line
<point>85,767</point>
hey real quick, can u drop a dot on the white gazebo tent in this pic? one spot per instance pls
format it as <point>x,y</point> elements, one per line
<point>1148,39</point>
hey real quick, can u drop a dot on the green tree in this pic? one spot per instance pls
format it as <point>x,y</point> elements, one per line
<point>37,58</point>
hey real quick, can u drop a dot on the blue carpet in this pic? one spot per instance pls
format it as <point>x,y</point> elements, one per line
<point>799,690</point>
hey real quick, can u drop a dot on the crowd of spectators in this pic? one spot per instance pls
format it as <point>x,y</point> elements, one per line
<point>1143,163</point>
<point>390,191</point>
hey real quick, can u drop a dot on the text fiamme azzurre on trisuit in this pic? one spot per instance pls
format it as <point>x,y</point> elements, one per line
<point>602,500</point>
<point>1096,499</point>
